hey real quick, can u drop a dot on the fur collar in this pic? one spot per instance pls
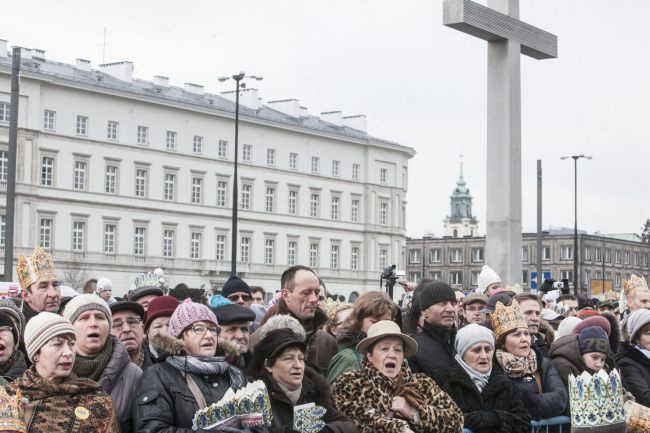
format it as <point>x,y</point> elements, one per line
<point>166,345</point>
<point>349,337</point>
<point>547,330</point>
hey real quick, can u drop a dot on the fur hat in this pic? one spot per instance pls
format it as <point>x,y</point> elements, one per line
<point>42,328</point>
<point>86,302</point>
<point>186,314</point>
<point>487,277</point>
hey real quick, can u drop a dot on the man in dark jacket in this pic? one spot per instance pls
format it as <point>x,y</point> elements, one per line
<point>234,333</point>
<point>532,311</point>
<point>436,352</point>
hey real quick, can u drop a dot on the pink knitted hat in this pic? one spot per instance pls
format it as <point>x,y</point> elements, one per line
<point>186,314</point>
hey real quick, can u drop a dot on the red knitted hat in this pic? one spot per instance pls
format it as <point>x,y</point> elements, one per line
<point>160,307</point>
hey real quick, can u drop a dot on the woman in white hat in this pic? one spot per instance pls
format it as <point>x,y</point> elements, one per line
<point>386,396</point>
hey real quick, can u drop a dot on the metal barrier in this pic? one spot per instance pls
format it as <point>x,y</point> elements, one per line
<point>547,423</point>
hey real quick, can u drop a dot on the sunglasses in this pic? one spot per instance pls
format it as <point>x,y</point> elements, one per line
<point>235,297</point>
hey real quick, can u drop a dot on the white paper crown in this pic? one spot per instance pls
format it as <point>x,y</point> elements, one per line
<point>596,400</point>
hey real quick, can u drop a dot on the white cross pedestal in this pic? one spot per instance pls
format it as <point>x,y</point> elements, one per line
<point>507,38</point>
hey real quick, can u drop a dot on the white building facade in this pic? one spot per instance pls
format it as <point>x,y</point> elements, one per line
<point>117,176</point>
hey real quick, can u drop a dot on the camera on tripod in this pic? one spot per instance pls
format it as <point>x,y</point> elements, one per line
<point>390,276</point>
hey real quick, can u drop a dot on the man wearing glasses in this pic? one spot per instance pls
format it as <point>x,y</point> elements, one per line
<point>237,291</point>
<point>128,328</point>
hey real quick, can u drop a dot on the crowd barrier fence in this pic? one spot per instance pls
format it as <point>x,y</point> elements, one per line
<point>544,425</point>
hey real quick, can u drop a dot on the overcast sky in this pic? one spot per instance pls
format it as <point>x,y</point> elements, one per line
<point>420,84</point>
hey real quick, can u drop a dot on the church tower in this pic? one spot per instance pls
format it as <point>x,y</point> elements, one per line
<point>460,222</point>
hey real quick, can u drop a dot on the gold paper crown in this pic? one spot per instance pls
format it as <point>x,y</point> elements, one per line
<point>638,417</point>
<point>12,412</point>
<point>38,267</point>
<point>633,285</point>
<point>506,319</point>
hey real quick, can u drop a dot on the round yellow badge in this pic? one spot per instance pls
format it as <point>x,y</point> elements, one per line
<point>81,412</point>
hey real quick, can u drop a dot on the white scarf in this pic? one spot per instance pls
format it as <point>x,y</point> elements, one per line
<point>643,350</point>
<point>479,379</point>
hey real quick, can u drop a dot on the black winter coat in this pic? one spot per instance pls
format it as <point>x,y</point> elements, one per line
<point>635,372</point>
<point>552,401</point>
<point>165,404</point>
<point>435,352</point>
<point>315,389</point>
<point>498,409</point>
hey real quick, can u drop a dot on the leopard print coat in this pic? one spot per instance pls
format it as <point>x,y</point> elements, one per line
<point>365,396</point>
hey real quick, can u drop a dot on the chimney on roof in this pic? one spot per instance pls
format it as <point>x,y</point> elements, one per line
<point>333,117</point>
<point>159,80</point>
<point>120,70</point>
<point>248,97</point>
<point>3,48</point>
<point>83,65</point>
<point>358,122</point>
<point>197,89</point>
<point>38,54</point>
<point>286,106</point>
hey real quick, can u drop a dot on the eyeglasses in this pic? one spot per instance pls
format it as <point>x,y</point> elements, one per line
<point>131,322</point>
<point>244,297</point>
<point>202,329</point>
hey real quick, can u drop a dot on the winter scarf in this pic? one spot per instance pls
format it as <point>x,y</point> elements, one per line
<point>479,379</point>
<point>294,395</point>
<point>6,365</point>
<point>643,350</point>
<point>206,365</point>
<point>517,366</point>
<point>93,367</point>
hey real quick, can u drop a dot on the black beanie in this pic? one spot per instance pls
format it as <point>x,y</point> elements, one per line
<point>234,285</point>
<point>434,292</point>
<point>5,320</point>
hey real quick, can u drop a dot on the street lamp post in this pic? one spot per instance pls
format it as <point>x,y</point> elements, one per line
<point>235,190</point>
<point>576,275</point>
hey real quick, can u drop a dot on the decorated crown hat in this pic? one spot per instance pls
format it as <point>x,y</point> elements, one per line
<point>596,400</point>
<point>35,268</point>
<point>633,285</point>
<point>12,412</point>
<point>505,319</point>
<point>146,284</point>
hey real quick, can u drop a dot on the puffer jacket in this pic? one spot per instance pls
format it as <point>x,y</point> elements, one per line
<point>435,352</point>
<point>497,409</point>
<point>347,358</point>
<point>314,390</point>
<point>566,358</point>
<point>635,372</point>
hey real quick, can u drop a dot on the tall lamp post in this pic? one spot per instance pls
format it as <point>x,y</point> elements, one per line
<point>576,276</point>
<point>235,190</point>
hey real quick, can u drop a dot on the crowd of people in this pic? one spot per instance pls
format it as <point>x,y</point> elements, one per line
<point>490,361</point>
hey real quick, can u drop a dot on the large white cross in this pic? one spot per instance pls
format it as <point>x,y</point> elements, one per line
<point>507,37</point>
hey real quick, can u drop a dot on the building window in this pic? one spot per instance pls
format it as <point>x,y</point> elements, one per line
<point>82,125</point>
<point>313,255</point>
<point>143,135</point>
<point>141,182</point>
<point>139,241</point>
<point>293,201</point>
<point>608,255</point>
<point>456,278</point>
<point>598,253</point>
<point>246,193</point>
<point>566,252</point>
<point>269,246</point>
<point>220,253</point>
<point>170,142</point>
<point>79,181</point>
<point>383,175</point>
<point>334,256</point>
<point>626,257</point>
<point>270,157</point>
<point>414,256</point>
<point>356,168</point>
<point>617,280</point>
<point>169,186</point>
<point>246,153</point>
<point>47,171</point>
<point>635,258</point>
<point>292,248</point>
<point>222,149</point>
<point>435,275</point>
<point>383,212</point>
<point>3,230</point>
<point>434,255</point>
<point>617,256</point>
<point>566,274</point>
<point>4,112</point>
<point>315,164</point>
<point>354,210</point>
<point>245,246</point>
<point>524,277</point>
<point>197,144</point>
<point>645,260</point>
<point>78,229</point>
<point>168,243</point>
<point>546,253</point>
<point>293,161</point>
<point>474,278</point>
<point>197,188</point>
<point>587,279</point>
<point>524,254</point>
<point>314,205</point>
<point>336,168</point>
<point>222,191</point>
<point>477,255</point>
<point>112,130</point>
<point>110,179</point>
<point>110,236</point>
<point>354,258</point>
<point>455,255</point>
<point>335,207</point>
<point>383,258</point>
<point>587,253</point>
<point>4,165</point>
<point>49,120</point>
<point>195,246</point>
<point>269,203</point>
<point>45,233</point>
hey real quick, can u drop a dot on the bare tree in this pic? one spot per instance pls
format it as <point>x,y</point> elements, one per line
<point>74,276</point>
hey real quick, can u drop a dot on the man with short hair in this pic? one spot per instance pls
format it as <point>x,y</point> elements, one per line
<point>531,308</point>
<point>128,328</point>
<point>570,304</point>
<point>258,294</point>
<point>234,333</point>
<point>39,283</point>
<point>473,306</point>
<point>299,298</point>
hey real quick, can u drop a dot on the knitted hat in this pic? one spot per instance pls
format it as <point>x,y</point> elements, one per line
<point>189,312</point>
<point>9,307</point>
<point>566,326</point>
<point>636,321</point>
<point>162,306</point>
<point>86,302</point>
<point>233,313</point>
<point>471,334</point>
<point>234,285</point>
<point>217,301</point>
<point>103,284</point>
<point>593,339</point>
<point>5,320</point>
<point>434,292</point>
<point>487,277</point>
<point>42,328</point>
<point>599,321</point>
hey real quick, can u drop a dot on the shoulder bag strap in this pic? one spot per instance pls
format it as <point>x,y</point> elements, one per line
<point>194,389</point>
